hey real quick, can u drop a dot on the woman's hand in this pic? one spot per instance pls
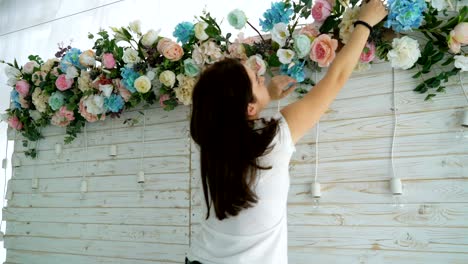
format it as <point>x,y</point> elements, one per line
<point>372,12</point>
<point>280,86</point>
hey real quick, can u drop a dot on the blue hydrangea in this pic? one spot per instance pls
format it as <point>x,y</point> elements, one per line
<point>278,13</point>
<point>405,14</point>
<point>296,71</point>
<point>15,99</point>
<point>114,103</point>
<point>71,58</point>
<point>128,78</point>
<point>183,32</point>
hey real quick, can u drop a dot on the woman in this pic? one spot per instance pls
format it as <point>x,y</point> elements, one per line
<point>244,160</point>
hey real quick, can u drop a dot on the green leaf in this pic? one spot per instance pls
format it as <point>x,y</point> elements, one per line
<point>429,96</point>
<point>448,61</point>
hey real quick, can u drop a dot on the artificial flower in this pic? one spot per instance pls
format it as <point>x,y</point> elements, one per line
<point>302,45</point>
<point>108,60</point>
<point>185,89</point>
<point>15,123</point>
<point>405,15</point>
<point>280,33</point>
<point>405,52</point>
<point>256,64</point>
<point>323,50</point>
<point>142,84</point>
<point>22,87</point>
<point>63,83</point>
<point>184,32</point>
<point>285,55</point>
<point>40,100</point>
<point>87,59</point>
<point>278,13</point>
<point>114,103</point>
<point>63,117</point>
<point>150,38</point>
<point>237,18</point>
<point>56,100</point>
<point>461,62</point>
<point>167,78</point>
<point>29,67</point>
<point>191,68</point>
<point>200,28</point>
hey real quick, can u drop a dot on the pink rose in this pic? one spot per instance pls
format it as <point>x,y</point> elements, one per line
<point>108,60</point>
<point>170,49</point>
<point>368,54</point>
<point>63,83</point>
<point>22,87</point>
<point>63,117</point>
<point>15,123</point>
<point>460,33</point>
<point>124,92</point>
<point>310,30</point>
<point>321,10</point>
<point>88,116</point>
<point>323,50</point>
<point>163,98</point>
<point>29,67</point>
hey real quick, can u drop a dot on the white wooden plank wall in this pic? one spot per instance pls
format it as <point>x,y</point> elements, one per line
<point>355,223</point>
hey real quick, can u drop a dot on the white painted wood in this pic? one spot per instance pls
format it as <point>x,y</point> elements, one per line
<point>118,249</point>
<point>153,182</point>
<point>355,222</point>
<point>24,256</point>
<point>124,216</point>
<point>109,232</point>
<point>378,192</point>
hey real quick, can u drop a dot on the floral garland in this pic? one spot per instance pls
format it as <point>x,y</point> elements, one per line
<point>129,68</point>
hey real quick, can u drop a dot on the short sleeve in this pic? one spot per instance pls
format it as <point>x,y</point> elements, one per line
<point>283,137</point>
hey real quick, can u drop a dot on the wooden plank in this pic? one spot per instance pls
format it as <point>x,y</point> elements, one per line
<point>405,146</point>
<point>153,182</point>
<point>108,232</point>
<point>404,239</point>
<point>423,215</point>
<point>421,239</point>
<point>381,104</point>
<point>116,136</point>
<point>378,192</point>
<point>421,167</point>
<point>153,165</point>
<point>123,216</point>
<point>299,255</point>
<point>170,147</point>
<point>37,257</point>
<point>149,199</point>
<point>115,249</point>
<point>431,122</point>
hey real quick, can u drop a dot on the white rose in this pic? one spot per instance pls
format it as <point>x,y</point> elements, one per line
<point>106,89</point>
<point>135,26</point>
<point>72,72</point>
<point>200,30</point>
<point>131,56</point>
<point>440,5</point>
<point>35,115</point>
<point>95,104</point>
<point>142,84</point>
<point>285,55</point>
<point>12,73</point>
<point>29,67</point>
<point>167,78</point>
<point>257,64</point>
<point>280,33</point>
<point>150,38</point>
<point>405,53</point>
<point>461,62</point>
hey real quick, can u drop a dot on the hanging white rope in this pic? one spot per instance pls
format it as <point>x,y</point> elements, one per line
<point>316,139</point>
<point>84,185</point>
<point>462,86</point>
<point>395,120</point>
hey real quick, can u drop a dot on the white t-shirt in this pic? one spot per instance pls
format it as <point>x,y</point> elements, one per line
<point>257,234</point>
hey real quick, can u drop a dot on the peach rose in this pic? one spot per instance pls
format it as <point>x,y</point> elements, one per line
<point>170,49</point>
<point>310,30</point>
<point>88,116</point>
<point>323,50</point>
<point>124,92</point>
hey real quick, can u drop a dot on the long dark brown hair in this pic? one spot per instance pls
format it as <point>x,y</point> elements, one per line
<point>229,143</point>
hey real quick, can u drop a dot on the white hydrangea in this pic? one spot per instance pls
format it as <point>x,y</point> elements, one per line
<point>461,62</point>
<point>405,53</point>
<point>95,104</point>
<point>347,23</point>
